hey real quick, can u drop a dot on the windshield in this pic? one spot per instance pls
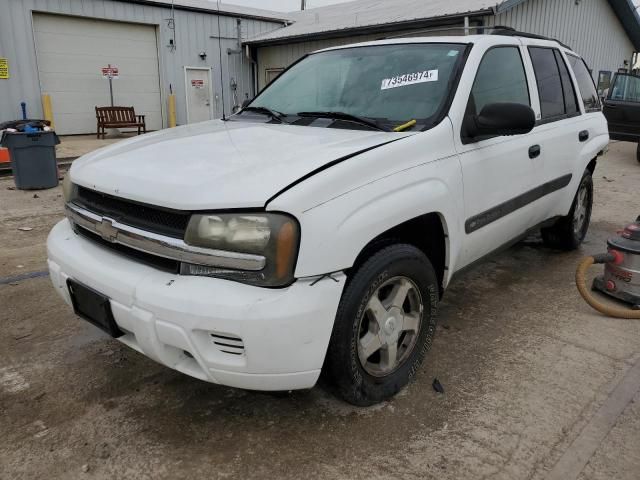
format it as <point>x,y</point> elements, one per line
<point>391,84</point>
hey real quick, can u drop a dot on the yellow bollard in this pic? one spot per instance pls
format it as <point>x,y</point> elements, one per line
<point>47,110</point>
<point>172,111</point>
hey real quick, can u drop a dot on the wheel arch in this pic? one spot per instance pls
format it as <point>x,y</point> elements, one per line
<point>427,232</point>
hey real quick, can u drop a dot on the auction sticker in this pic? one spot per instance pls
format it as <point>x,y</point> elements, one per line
<point>409,79</point>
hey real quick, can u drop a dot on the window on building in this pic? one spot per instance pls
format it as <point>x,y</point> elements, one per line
<point>585,83</point>
<point>549,82</point>
<point>270,74</point>
<point>500,78</point>
<point>625,88</point>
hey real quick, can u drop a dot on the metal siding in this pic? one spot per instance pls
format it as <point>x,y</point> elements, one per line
<point>591,28</point>
<point>193,30</point>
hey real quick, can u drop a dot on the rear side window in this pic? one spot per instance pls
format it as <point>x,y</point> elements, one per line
<point>553,80</point>
<point>585,84</point>
<point>570,100</point>
<point>500,78</point>
<point>626,88</point>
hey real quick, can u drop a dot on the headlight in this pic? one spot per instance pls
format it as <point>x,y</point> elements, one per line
<point>272,235</point>
<point>67,188</point>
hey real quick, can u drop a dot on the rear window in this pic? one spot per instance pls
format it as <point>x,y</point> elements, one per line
<point>585,83</point>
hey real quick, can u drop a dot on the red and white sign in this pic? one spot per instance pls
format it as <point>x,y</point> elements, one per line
<point>110,72</point>
<point>197,83</point>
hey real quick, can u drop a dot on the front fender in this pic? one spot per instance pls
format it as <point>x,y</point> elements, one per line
<point>343,208</point>
<point>335,232</point>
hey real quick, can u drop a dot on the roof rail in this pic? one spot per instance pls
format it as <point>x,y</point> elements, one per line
<point>412,33</point>
<point>481,29</point>
<point>512,32</point>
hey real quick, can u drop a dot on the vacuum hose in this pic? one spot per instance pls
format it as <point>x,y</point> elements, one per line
<point>581,283</point>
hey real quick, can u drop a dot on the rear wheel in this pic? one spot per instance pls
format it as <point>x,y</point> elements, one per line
<point>384,325</point>
<point>569,232</point>
<point>638,152</point>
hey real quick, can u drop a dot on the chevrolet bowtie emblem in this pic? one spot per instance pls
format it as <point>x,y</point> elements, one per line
<point>107,231</point>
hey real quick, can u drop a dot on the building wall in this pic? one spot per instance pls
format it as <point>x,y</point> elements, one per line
<point>590,27</point>
<point>192,36</point>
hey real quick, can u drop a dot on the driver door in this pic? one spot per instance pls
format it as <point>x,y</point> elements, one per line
<point>497,171</point>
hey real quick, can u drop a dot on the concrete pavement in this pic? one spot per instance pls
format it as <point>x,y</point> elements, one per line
<point>536,383</point>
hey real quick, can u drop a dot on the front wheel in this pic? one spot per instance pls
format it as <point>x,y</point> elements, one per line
<point>384,325</point>
<point>569,232</point>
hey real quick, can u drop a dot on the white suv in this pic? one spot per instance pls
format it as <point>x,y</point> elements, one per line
<point>317,229</point>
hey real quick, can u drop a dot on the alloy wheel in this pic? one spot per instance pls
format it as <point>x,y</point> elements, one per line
<point>390,326</point>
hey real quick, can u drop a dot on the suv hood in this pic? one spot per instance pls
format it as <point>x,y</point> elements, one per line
<point>216,164</point>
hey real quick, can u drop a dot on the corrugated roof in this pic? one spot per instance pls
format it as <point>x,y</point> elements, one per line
<point>211,6</point>
<point>368,13</point>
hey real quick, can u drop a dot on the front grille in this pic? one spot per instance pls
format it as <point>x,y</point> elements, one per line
<point>171,223</point>
<point>161,263</point>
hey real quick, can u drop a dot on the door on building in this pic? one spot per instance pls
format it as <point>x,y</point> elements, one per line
<point>71,51</point>
<point>199,90</point>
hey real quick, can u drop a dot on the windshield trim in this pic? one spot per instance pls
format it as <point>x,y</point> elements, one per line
<point>454,80</point>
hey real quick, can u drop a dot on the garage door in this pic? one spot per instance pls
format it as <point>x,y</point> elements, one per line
<point>71,52</point>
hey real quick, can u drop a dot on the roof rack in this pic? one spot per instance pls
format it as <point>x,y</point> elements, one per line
<point>512,32</point>
<point>481,29</point>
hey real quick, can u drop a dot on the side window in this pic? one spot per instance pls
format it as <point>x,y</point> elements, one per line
<point>500,78</point>
<point>549,82</point>
<point>585,84</point>
<point>604,82</point>
<point>626,88</point>
<point>570,101</point>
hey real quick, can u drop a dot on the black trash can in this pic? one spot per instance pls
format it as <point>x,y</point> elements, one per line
<point>33,158</point>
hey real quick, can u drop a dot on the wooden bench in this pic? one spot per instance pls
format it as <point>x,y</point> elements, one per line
<point>119,117</point>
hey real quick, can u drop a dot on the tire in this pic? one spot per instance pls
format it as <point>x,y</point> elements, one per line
<point>568,232</point>
<point>397,272</point>
<point>638,152</point>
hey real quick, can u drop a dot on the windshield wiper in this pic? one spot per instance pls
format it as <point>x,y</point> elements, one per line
<point>267,111</point>
<point>345,116</point>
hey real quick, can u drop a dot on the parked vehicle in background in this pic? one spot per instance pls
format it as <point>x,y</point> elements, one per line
<point>317,229</point>
<point>622,109</point>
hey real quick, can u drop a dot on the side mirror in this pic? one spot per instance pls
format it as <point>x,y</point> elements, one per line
<point>501,119</point>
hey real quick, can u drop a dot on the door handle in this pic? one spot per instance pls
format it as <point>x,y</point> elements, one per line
<point>583,136</point>
<point>534,151</point>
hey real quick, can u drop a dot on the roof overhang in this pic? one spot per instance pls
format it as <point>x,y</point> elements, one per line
<point>253,14</point>
<point>628,15</point>
<point>376,28</point>
<point>625,10</point>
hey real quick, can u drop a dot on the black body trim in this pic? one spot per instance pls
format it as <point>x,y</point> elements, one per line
<point>485,218</point>
<point>505,246</point>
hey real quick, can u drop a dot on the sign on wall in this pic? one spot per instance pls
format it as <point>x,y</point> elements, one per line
<point>197,83</point>
<point>4,68</point>
<point>110,72</point>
